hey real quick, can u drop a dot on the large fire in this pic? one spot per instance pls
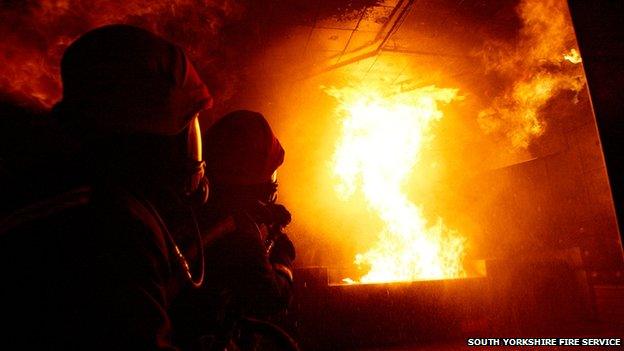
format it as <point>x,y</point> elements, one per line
<point>380,147</point>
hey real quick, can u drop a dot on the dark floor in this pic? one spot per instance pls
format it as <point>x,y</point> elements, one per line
<point>609,331</point>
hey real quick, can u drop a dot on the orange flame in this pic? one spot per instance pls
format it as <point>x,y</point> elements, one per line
<point>35,34</point>
<point>539,67</point>
<point>382,139</point>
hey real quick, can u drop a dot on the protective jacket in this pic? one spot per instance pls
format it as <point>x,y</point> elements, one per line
<point>101,266</point>
<point>241,280</point>
<point>243,276</point>
<point>96,268</point>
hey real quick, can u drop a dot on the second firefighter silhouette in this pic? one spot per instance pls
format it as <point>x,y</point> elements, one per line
<point>248,258</point>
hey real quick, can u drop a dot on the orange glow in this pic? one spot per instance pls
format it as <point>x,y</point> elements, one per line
<point>380,147</point>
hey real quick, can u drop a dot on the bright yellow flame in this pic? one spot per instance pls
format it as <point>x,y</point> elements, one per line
<point>348,281</point>
<point>382,138</point>
<point>573,56</point>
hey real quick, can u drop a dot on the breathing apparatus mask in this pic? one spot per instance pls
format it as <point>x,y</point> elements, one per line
<point>195,187</point>
<point>162,165</point>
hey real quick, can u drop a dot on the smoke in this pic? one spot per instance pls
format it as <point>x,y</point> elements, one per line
<point>35,34</point>
<point>542,63</point>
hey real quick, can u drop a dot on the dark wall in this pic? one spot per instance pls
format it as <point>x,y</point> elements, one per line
<point>600,35</point>
<point>552,203</point>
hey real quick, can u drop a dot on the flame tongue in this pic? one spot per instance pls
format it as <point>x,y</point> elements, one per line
<point>382,137</point>
<point>573,56</point>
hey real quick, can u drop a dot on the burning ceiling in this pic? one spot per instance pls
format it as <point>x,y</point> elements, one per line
<point>219,35</point>
<point>35,34</point>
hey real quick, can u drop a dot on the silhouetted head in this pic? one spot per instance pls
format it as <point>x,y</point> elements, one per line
<point>133,99</point>
<point>242,155</point>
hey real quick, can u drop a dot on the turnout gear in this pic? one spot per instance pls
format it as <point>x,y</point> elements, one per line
<point>248,264</point>
<point>107,258</point>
